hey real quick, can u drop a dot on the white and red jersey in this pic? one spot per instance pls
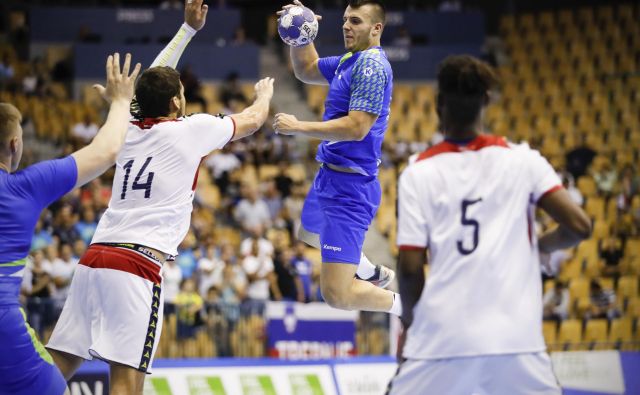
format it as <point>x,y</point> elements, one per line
<point>472,206</point>
<point>155,179</point>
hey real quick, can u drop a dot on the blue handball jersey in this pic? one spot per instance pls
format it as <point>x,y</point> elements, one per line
<point>23,195</point>
<point>360,81</point>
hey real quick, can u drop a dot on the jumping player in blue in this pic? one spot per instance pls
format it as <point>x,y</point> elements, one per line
<point>25,366</point>
<point>346,193</point>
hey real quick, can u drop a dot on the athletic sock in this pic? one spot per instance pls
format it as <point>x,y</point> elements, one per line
<point>396,307</point>
<point>366,269</point>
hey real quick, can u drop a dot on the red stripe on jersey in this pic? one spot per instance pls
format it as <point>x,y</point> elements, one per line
<point>551,190</point>
<point>105,257</point>
<point>195,178</point>
<point>234,130</point>
<point>148,123</point>
<point>410,248</point>
<point>480,142</point>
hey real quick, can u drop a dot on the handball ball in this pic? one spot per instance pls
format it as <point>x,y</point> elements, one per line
<point>297,26</point>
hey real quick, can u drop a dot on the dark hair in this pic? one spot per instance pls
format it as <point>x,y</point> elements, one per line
<point>464,83</point>
<point>381,12</point>
<point>154,90</point>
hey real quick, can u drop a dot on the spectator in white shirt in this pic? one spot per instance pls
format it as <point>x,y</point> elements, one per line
<point>86,130</point>
<point>252,212</point>
<point>259,271</point>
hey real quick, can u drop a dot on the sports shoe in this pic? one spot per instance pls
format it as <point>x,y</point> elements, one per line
<point>382,277</point>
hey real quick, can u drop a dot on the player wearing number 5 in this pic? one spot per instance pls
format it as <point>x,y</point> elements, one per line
<point>475,326</point>
<point>114,308</point>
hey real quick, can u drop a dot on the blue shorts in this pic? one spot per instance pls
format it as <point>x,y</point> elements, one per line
<point>26,368</point>
<point>340,207</point>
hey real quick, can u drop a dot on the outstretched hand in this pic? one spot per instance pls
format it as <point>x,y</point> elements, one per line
<point>285,124</point>
<point>295,3</point>
<point>264,88</point>
<point>195,13</point>
<point>120,85</point>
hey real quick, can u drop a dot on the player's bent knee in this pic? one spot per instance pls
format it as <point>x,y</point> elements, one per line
<point>335,297</point>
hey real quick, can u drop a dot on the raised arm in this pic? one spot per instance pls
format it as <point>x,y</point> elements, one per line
<point>253,117</point>
<point>305,58</point>
<point>195,16</point>
<point>100,154</point>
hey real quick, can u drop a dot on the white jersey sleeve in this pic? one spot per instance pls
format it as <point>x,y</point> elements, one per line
<point>544,178</point>
<point>412,222</point>
<point>209,132</point>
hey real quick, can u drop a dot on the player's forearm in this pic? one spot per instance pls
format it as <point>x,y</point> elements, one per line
<point>170,55</point>
<point>558,239</point>
<point>303,60</point>
<point>410,281</point>
<point>252,118</point>
<point>340,129</point>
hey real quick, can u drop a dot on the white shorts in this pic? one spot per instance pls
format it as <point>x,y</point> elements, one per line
<point>114,308</point>
<point>510,374</point>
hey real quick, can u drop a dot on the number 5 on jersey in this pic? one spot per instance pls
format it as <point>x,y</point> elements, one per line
<point>136,182</point>
<point>466,221</point>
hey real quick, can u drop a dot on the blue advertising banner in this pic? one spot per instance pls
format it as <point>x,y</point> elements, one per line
<point>310,331</point>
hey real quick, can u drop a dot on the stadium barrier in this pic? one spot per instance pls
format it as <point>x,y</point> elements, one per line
<point>580,373</point>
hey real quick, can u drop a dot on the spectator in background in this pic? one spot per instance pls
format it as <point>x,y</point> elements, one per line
<point>288,284</point>
<point>265,247</point>
<point>62,269</point>
<point>579,158</point>
<point>192,87</point>
<point>605,177</point>
<point>188,305</point>
<point>611,253</point>
<point>273,199</point>
<point>602,302</point>
<point>304,269</point>
<point>42,238</point>
<point>252,212</point>
<point>259,271</point>
<point>210,270</point>
<point>222,163</point>
<point>282,180</point>
<point>40,290</point>
<point>555,303</point>
<point>85,131</point>
<point>64,226</point>
<point>171,279</point>
<point>629,187</point>
<point>187,259</point>
<point>87,225</point>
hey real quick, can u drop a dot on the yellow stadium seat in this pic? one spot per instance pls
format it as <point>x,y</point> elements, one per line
<point>600,229</point>
<point>620,333</point>
<point>595,207</point>
<point>587,186</point>
<point>579,288</point>
<point>550,332</point>
<point>627,287</point>
<point>632,307</point>
<point>595,334</point>
<point>570,335</point>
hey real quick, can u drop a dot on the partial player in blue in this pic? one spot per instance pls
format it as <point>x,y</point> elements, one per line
<point>346,193</point>
<point>25,366</point>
